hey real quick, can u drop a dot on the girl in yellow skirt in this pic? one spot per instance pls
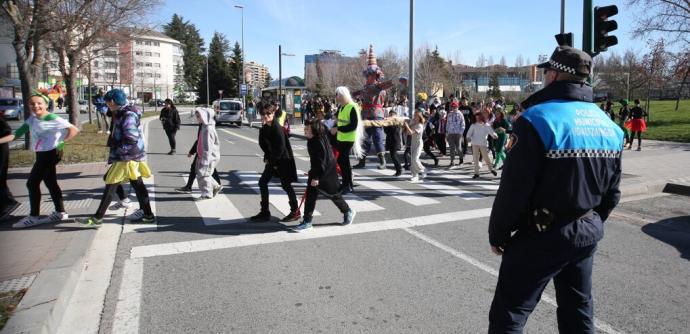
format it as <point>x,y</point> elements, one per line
<point>127,159</point>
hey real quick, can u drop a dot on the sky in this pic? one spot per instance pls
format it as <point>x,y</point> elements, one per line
<point>461,29</point>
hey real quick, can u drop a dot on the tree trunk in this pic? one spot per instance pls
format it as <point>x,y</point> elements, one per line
<point>680,89</point>
<point>28,82</point>
<point>71,100</point>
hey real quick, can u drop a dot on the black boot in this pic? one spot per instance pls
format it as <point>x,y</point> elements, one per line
<point>294,214</point>
<point>382,160</point>
<point>263,216</point>
<point>362,163</point>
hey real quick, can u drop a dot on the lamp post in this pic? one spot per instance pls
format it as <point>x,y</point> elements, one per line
<point>244,82</point>
<point>280,73</point>
<point>410,65</point>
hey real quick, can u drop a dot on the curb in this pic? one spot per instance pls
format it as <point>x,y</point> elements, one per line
<point>42,308</point>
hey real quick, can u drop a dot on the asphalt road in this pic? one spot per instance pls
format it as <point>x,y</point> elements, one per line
<point>416,260</point>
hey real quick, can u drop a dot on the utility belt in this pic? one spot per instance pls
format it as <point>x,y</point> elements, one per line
<point>543,219</point>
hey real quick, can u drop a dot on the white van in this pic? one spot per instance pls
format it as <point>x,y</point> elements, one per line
<point>229,111</point>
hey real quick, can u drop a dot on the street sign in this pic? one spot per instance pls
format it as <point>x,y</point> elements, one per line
<point>243,90</point>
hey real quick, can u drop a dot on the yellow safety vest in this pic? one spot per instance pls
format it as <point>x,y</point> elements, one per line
<point>282,118</point>
<point>343,120</point>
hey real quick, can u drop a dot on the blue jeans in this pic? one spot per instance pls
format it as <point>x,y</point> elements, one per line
<point>376,135</point>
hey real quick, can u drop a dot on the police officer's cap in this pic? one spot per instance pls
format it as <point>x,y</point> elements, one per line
<point>567,59</point>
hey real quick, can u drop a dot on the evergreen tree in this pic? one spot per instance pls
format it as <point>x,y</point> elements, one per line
<point>236,70</point>
<point>218,70</point>
<point>494,87</point>
<point>268,80</point>
<point>192,48</point>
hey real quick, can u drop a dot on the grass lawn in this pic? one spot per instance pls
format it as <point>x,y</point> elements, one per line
<point>88,146</point>
<point>8,303</point>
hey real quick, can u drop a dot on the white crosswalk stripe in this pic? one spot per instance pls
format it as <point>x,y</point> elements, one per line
<point>392,191</point>
<point>218,210</point>
<point>447,189</point>
<point>355,202</point>
<point>465,179</point>
<point>277,197</point>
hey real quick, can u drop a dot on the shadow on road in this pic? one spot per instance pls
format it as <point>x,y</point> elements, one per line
<point>673,231</point>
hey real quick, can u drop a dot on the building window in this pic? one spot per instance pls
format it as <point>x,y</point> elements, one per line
<point>156,43</point>
<point>140,64</point>
<point>95,75</point>
<point>139,74</point>
<point>157,65</point>
<point>139,42</point>
<point>147,64</point>
<point>138,53</point>
<point>147,54</point>
<point>110,64</point>
<point>149,75</point>
<point>156,54</point>
<point>158,75</point>
<point>111,76</point>
<point>110,53</point>
<point>95,63</point>
<point>147,43</point>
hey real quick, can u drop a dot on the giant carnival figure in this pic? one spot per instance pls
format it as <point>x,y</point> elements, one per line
<point>373,96</point>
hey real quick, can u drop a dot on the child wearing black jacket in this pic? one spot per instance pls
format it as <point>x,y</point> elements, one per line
<point>322,175</point>
<point>393,142</point>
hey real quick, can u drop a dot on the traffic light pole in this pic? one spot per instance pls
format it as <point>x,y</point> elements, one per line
<point>587,13</point>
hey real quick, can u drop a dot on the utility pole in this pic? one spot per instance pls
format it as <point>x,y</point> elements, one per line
<point>410,65</point>
<point>562,16</point>
<point>244,80</point>
<point>587,27</point>
<point>280,76</point>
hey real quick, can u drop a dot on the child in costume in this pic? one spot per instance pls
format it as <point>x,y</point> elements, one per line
<point>637,124</point>
<point>208,154</point>
<point>477,136</point>
<point>322,175</point>
<point>502,127</point>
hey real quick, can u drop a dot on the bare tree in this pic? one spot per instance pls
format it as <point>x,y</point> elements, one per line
<point>429,74</point>
<point>481,61</point>
<point>681,70</point>
<point>519,61</point>
<point>30,24</point>
<point>668,17</point>
<point>503,61</point>
<point>88,23</point>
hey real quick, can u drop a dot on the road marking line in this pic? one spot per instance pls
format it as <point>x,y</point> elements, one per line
<point>218,210</point>
<point>390,190</point>
<point>130,227</point>
<point>355,202</point>
<point>465,179</point>
<point>83,312</point>
<point>602,326</point>
<point>240,136</point>
<point>440,187</point>
<point>127,309</point>
<point>284,236</point>
<point>277,196</point>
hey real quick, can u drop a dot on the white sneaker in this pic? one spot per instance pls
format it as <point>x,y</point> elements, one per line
<point>122,204</point>
<point>100,131</point>
<point>27,221</point>
<point>422,175</point>
<point>136,215</point>
<point>415,179</point>
<point>54,217</point>
<point>107,132</point>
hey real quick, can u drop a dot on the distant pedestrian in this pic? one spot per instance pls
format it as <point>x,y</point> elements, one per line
<point>279,162</point>
<point>455,128</point>
<point>208,154</point>
<point>429,135</point>
<point>192,169</point>
<point>477,137</point>
<point>502,127</point>
<point>415,129</point>
<point>7,201</point>
<point>127,159</point>
<point>637,123</point>
<point>49,133</point>
<point>467,112</point>
<point>393,142</point>
<point>170,119</point>
<point>441,130</point>
<point>101,112</point>
<point>322,175</point>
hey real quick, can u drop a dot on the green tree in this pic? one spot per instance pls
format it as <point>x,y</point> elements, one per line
<point>494,87</point>
<point>268,80</point>
<point>236,70</point>
<point>192,48</point>
<point>218,70</point>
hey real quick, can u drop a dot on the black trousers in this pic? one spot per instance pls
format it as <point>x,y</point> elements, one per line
<point>310,202</point>
<point>394,156</point>
<point>344,148</point>
<point>44,171</point>
<point>406,154</point>
<point>192,174</point>
<point>427,149</point>
<point>171,137</point>
<point>6,198</point>
<point>441,142</point>
<point>529,262</point>
<point>139,188</point>
<point>266,177</point>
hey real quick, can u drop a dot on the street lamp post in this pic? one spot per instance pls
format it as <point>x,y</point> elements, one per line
<point>410,65</point>
<point>280,73</point>
<point>244,82</point>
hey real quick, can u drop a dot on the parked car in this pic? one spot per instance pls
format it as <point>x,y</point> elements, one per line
<point>229,111</point>
<point>155,102</point>
<point>83,106</point>
<point>11,108</point>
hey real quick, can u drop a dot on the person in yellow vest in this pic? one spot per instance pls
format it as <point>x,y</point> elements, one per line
<point>349,134</point>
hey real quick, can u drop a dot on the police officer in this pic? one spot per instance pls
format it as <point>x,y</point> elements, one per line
<point>559,184</point>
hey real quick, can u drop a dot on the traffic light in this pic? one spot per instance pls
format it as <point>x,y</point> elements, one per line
<point>603,26</point>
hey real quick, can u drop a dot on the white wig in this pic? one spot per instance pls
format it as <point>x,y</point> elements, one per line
<point>345,93</point>
<point>357,148</point>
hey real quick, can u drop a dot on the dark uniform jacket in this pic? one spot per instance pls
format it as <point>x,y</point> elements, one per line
<point>170,119</point>
<point>322,164</point>
<point>393,138</point>
<point>277,151</point>
<point>565,157</point>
